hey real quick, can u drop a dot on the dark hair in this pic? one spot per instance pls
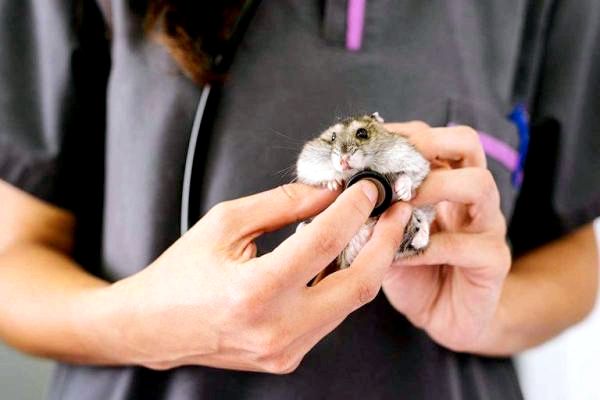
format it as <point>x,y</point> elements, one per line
<point>193,31</point>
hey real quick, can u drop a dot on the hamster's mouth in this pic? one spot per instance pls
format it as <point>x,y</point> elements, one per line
<point>345,168</point>
<point>349,163</point>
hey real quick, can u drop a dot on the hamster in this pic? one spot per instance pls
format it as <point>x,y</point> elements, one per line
<point>358,143</point>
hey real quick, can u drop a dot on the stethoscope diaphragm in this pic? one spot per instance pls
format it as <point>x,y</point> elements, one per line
<point>384,187</point>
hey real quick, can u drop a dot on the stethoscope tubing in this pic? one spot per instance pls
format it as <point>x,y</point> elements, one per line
<point>189,160</point>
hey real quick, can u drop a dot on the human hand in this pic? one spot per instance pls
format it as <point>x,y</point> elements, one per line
<point>208,300</point>
<point>452,289</point>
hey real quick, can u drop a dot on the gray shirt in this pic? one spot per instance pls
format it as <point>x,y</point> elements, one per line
<point>101,127</point>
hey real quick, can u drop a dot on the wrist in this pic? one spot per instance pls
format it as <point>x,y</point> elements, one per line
<point>126,325</point>
<point>99,318</point>
<point>496,339</point>
<point>505,334</point>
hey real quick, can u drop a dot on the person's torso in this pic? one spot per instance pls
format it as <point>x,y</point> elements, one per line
<point>444,62</point>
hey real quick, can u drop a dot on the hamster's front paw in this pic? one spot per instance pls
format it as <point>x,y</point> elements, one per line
<point>333,184</point>
<point>403,187</point>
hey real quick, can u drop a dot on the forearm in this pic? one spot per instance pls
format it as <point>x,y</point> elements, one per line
<point>547,290</point>
<point>50,307</point>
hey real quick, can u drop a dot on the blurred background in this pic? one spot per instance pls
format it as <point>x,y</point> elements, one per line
<point>21,377</point>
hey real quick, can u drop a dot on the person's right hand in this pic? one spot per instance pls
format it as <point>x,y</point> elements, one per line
<point>208,300</point>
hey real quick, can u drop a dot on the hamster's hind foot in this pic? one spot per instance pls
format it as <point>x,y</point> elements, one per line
<point>416,233</point>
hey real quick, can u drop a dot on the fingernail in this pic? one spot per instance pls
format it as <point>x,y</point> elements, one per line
<point>370,190</point>
<point>400,212</point>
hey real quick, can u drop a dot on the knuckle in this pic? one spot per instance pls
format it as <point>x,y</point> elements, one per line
<point>501,225</point>
<point>329,243</point>
<point>366,292</point>
<point>220,209</point>
<point>221,213</point>
<point>419,125</point>
<point>488,179</point>
<point>274,354</point>
<point>486,184</point>
<point>244,304</point>
<point>504,256</point>
<point>282,364</point>
<point>500,255</point>
<point>158,366</point>
<point>271,344</point>
<point>469,134</point>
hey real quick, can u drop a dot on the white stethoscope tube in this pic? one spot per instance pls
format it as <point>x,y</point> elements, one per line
<point>189,161</point>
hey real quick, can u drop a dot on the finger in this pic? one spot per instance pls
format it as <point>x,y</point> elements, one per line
<point>271,210</point>
<point>471,186</point>
<point>313,247</point>
<point>407,128</point>
<point>463,250</point>
<point>459,144</point>
<point>344,291</point>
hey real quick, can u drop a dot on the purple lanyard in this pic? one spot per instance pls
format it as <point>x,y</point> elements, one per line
<point>355,24</point>
<point>499,151</point>
<point>511,159</point>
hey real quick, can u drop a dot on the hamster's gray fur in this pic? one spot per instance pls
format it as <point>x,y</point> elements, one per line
<point>358,143</point>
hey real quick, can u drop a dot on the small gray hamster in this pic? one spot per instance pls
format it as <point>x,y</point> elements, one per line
<point>358,143</point>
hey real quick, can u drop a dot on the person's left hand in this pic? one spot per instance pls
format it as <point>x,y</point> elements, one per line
<point>452,289</point>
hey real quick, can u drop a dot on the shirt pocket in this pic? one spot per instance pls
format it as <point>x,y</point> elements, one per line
<point>500,140</point>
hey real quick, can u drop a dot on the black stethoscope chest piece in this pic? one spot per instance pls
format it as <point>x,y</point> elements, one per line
<point>384,187</point>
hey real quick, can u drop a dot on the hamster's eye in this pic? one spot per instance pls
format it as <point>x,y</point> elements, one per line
<point>333,136</point>
<point>362,133</point>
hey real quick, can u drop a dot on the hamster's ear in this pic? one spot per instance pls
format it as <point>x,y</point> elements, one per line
<point>377,117</point>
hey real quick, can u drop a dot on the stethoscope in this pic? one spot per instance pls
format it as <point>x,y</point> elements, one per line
<point>203,120</point>
<point>204,116</point>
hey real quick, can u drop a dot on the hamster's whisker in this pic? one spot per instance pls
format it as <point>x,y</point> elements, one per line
<point>283,135</point>
<point>285,171</point>
<point>283,147</point>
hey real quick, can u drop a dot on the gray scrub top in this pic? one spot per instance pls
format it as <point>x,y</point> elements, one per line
<point>101,126</point>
